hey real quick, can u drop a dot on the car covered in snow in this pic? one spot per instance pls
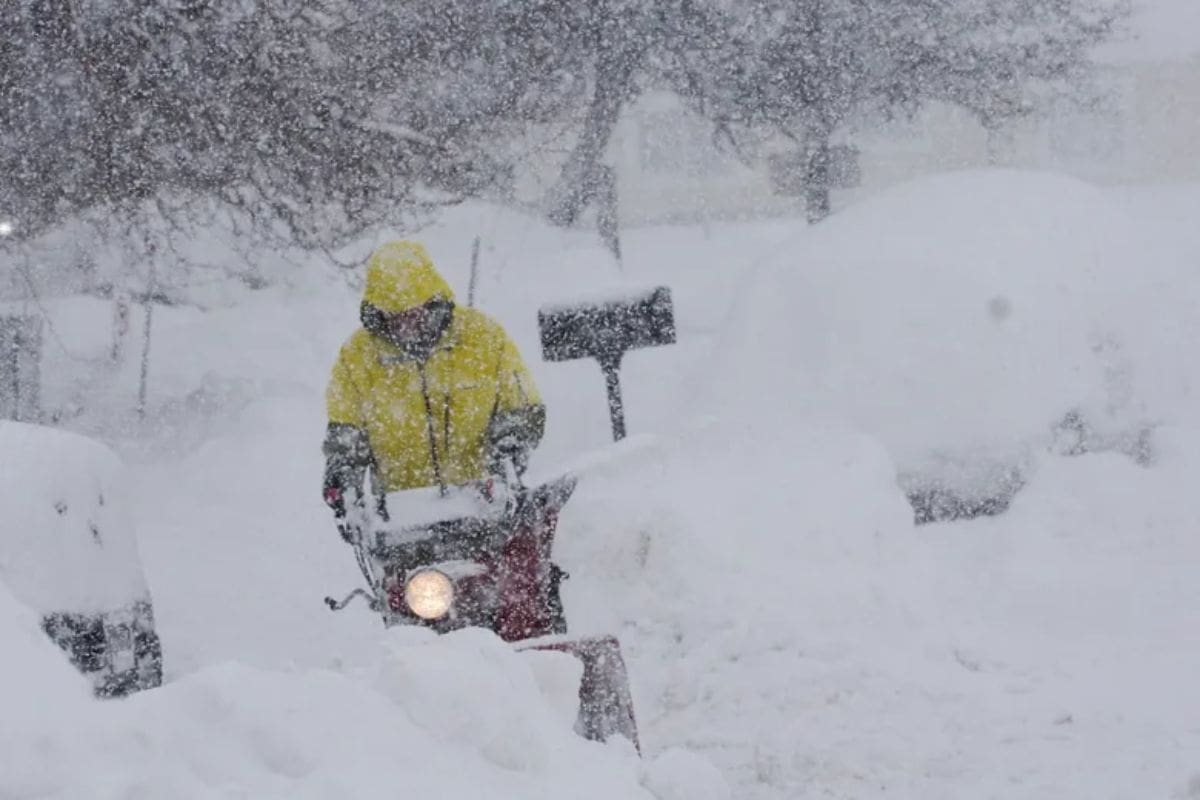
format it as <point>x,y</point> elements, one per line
<point>67,551</point>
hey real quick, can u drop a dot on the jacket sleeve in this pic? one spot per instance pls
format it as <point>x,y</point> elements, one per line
<point>515,387</point>
<point>346,448</point>
<point>519,419</point>
<point>343,401</point>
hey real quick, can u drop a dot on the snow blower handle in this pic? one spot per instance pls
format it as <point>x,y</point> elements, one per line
<point>349,517</point>
<point>611,367</point>
<point>351,522</point>
<point>347,532</point>
<point>338,605</point>
<point>511,476</point>
<point>504,486</point>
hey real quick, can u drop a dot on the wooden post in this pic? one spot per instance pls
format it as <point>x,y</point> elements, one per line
<point>148,306</point>
<point>145,375</point>
<point>474,273</point>
<point>20,368</point>
<point>608,213</point>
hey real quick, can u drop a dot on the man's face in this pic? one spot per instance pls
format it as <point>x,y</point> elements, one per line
<point>417,330</point>
<point>406,326</point>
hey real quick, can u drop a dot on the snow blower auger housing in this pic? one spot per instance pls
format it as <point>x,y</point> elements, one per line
<point>479,556</point>
<point>605,331</point>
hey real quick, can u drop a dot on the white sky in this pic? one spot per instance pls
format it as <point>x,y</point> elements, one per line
<point>1167,30</point>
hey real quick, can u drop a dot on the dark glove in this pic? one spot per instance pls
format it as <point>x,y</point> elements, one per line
<point>509,450</point>
<point>347,532</point>
<point>335,498</point>
<point>511,437</point>
<point>347,457</point>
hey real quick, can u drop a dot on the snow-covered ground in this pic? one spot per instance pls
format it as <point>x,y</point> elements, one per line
<point>783,619</point>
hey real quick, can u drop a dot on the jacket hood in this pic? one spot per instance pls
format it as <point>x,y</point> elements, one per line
<point>401,276</point>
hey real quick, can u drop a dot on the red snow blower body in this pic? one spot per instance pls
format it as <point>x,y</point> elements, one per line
<point>479,556</point>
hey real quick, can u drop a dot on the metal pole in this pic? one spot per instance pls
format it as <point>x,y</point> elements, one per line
<point>148,302</point>
<point>16,367</point>
<point>474,273</point>
<point>616,407</point>
<point>145,358</point>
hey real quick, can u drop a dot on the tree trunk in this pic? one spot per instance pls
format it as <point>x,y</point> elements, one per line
<point>999,142</point>
<point>817,173</point>
<point>608,210</point>
<point>580,177</point>
<point>20,368</point>
<point>144,377</point>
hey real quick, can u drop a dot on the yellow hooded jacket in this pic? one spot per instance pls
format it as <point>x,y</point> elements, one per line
<point>426,420</point>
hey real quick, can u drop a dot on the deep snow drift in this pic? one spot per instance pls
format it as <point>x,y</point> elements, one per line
<point>66,504</point>
<point>783,618</point>
<point>970,312</point>
<point>433,717</point>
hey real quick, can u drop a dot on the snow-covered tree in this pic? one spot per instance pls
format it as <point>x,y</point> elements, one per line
<point>313,118</point>
<point>320,119</point>
<point>808,67</point>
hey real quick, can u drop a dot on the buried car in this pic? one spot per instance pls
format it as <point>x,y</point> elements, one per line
<point>67,550</point>
<point>957,486</point>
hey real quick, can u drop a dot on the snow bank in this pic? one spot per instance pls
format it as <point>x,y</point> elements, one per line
<point>1075,613</point>
<point>784,618</point>
<point>967,312</point>
<point>435,718</point>
<point>67,541</point>
<point>31,662</point>
<point>735,568</point>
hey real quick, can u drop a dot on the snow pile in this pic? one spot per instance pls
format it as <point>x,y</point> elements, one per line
<point>806,638</point>
<point>1075,612</point>
<point>784,619</point>
<point>754,581</point>
<point>967,313</point>
<point>434,718</point>
<point>68,542</point>
<point>32,663</point>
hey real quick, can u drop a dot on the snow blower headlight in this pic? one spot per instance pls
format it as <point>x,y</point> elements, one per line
<point>429,594</point>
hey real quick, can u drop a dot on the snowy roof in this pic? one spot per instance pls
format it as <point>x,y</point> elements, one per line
<point>1159,30</point>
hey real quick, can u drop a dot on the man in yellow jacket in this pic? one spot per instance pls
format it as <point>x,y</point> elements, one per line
<point>426,393</point>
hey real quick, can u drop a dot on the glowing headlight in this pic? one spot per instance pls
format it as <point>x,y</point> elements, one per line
<point>429,594</point>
